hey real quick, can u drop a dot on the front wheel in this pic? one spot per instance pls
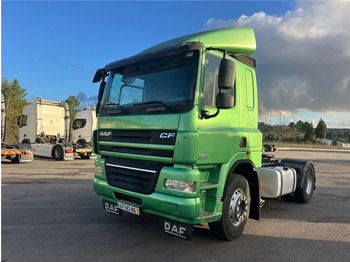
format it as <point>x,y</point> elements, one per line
<point>235,210</point>
<point>87,156</point>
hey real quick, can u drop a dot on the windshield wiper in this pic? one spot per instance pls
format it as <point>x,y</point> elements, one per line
<point>156,109</point>
<point>121,109</point>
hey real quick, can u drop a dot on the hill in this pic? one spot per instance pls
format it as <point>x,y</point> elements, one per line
<point>280,133</point>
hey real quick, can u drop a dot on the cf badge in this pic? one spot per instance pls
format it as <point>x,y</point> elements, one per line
<point>167,135</point>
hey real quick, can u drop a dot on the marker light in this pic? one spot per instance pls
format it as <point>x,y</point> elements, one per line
<point>181,186</point>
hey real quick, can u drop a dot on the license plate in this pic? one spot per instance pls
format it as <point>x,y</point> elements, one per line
<point>118,208</point>
<point>128,208</point>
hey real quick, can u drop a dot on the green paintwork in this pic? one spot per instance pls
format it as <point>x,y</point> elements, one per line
<point>239,40</point>
<point>205,149</point>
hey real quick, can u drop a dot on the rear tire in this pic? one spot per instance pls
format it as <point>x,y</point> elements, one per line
<point>304,194</point>
<point>58,152</point>
<point>16,159</point>
<point>235,210</point>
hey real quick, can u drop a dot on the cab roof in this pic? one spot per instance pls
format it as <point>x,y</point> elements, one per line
<point>236,40</point>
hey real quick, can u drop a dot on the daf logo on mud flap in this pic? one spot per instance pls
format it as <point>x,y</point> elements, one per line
<point>102,133</point>
<point>167,135</point>
<point>175,230</point>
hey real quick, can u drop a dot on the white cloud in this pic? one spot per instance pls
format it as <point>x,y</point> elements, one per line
<point>303,57</point>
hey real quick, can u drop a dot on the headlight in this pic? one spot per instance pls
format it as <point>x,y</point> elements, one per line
<point>179,185</point>
<point>98,168</point>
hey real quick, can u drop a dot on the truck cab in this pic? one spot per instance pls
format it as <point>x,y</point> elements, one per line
<point>83,126</point>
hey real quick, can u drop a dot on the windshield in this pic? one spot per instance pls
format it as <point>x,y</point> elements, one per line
<point>167,82</point>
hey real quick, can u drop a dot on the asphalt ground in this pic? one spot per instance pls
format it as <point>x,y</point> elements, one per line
<point>50,213</point>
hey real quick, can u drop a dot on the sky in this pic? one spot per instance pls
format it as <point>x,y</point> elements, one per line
<point>303,48</point>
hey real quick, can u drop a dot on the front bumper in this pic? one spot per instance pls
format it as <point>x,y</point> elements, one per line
<point>179,206</point>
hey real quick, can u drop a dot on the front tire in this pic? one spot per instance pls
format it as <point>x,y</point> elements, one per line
<point>87,156</point>
<point>235,210</point>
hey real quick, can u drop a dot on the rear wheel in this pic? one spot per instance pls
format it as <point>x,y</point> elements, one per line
<point>58,153</point>
<point>16,159</point>
<point>235,210</point>
<point>304,194</point>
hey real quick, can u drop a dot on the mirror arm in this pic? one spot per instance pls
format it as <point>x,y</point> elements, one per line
<point>206,114</point>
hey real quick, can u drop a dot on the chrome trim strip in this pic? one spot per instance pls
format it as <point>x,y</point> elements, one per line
<point>133,168</point>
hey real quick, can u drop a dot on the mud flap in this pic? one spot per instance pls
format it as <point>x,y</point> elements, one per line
<point>177,229</point>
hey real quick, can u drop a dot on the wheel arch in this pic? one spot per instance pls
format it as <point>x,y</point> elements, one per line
<point>81,141</point>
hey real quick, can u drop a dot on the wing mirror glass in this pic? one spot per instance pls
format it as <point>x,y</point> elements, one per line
<point>227,74</point>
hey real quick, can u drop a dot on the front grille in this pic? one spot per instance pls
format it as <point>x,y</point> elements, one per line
<point>109,139</point>
<point>158,137</point>
<point>132,175</point>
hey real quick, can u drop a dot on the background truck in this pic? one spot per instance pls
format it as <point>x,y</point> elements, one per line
<point>83,126</point>
<point>18,153</point>
<point>178,137</point>
<point>46,126</point>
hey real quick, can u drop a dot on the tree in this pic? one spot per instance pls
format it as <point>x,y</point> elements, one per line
<point>15,98</point>
<point>309,132</point>
<point>292,125</point>
<point>321,129</point>
<point>73,102</point>
<point>299,126</point>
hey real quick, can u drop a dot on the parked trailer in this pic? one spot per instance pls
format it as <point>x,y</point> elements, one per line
<point>178,137</point>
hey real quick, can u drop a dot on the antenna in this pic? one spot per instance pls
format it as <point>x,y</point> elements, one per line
<point>199,39</point>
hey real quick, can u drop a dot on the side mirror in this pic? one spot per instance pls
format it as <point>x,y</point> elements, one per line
<point>99,75</point>
<point>224,101</point>
<point>227,74</point>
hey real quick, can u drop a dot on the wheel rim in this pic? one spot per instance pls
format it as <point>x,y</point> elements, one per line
<point>309,182</point>
<point>238,207</point>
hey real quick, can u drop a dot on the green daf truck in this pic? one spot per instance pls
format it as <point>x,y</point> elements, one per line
<point>177,137</point>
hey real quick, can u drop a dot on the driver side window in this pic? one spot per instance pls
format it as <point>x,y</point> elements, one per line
<point>210,88</point>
